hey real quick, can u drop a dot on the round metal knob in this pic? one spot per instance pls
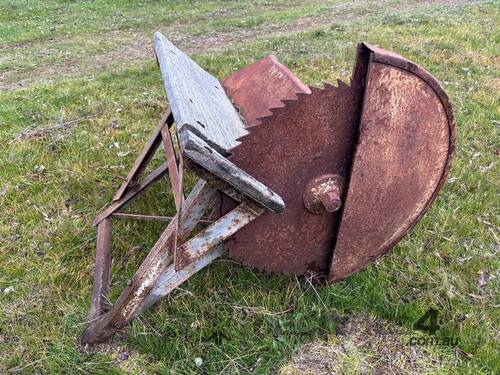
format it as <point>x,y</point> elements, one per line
<point>323,194</point>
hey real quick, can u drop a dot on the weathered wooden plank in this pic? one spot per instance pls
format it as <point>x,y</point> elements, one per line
<point>144,157</point>
<point>100,287</point>
<point>138,287</point>
<point>131,194</point>
<point>171,279</point>
<point>195,206</point>
<point>215,233</point>
<point>202,154</point>
<point>197,99</point>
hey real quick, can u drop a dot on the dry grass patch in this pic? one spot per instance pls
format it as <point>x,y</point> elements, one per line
<point>363,345</point>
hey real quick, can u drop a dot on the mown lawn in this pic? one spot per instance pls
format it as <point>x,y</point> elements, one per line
<point>53,182</point>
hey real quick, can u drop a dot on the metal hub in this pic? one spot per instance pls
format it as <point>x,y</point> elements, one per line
<point>323,194</point>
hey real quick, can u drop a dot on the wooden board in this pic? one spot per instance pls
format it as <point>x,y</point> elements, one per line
<point>198,151</point>
<point>197,99</point>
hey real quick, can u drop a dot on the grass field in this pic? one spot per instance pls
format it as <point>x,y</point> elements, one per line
<point>80,95</point>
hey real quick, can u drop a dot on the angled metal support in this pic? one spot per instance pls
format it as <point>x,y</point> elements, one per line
<point>100,287</point>
<point>157,275</point>
<point>144,158</point>
<point>131,188</point>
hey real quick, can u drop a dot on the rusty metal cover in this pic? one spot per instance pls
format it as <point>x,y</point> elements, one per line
<point>255,90</point>
<point>407,133</point>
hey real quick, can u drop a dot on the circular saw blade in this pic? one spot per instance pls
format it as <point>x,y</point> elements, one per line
<point>308,137</point>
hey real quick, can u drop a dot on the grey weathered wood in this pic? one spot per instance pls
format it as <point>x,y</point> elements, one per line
<point>121,215</point>
<point>202,154</point>
<point>200,251</point>
<point>195,206</point>
<point>151,269</point>
<point>197,99</point>
<point>216,233</point>
<point>171,279</point>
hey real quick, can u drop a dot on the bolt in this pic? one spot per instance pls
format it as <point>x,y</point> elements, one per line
<point>322,194</point>
<point>331,200</point>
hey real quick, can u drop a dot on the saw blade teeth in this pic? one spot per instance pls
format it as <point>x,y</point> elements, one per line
<point>328,86</point>
<point>279,108</point>
<point>240,140</point>
<point>301,95</point>
<point>283,105</point>
<point>287,102</point>
<point>315,90</point>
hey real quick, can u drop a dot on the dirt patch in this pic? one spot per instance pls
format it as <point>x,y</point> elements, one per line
<point>139,48</point>
<point>126,359</point>
<point>363,345</point>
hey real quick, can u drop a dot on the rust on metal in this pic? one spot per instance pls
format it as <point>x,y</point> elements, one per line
<point>217,232</point>
<point>308,137</point>
<point>323,194</point>
<point>132,194</point>
<point>174,168</point>
<point>255,90</point>
<point>131,187</point>
<point>261,86</point>
<point>402,159</point>
<point>100,287</point>
<point>136,290</point>
<point>144,158</point>
<point>356,166</point>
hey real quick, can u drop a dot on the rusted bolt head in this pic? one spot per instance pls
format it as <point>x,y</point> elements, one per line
<point>323,194</point>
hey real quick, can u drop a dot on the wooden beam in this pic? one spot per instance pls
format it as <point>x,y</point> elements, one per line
<point>197,99</point>
<point>151,269</point>
<point>137,288</point>
<point>171,279</point>
<point>202,154</point>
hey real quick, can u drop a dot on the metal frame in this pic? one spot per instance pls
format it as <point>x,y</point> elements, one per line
<point>173,258</point>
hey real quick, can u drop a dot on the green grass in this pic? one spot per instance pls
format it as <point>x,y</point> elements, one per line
<point>235,319</point>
